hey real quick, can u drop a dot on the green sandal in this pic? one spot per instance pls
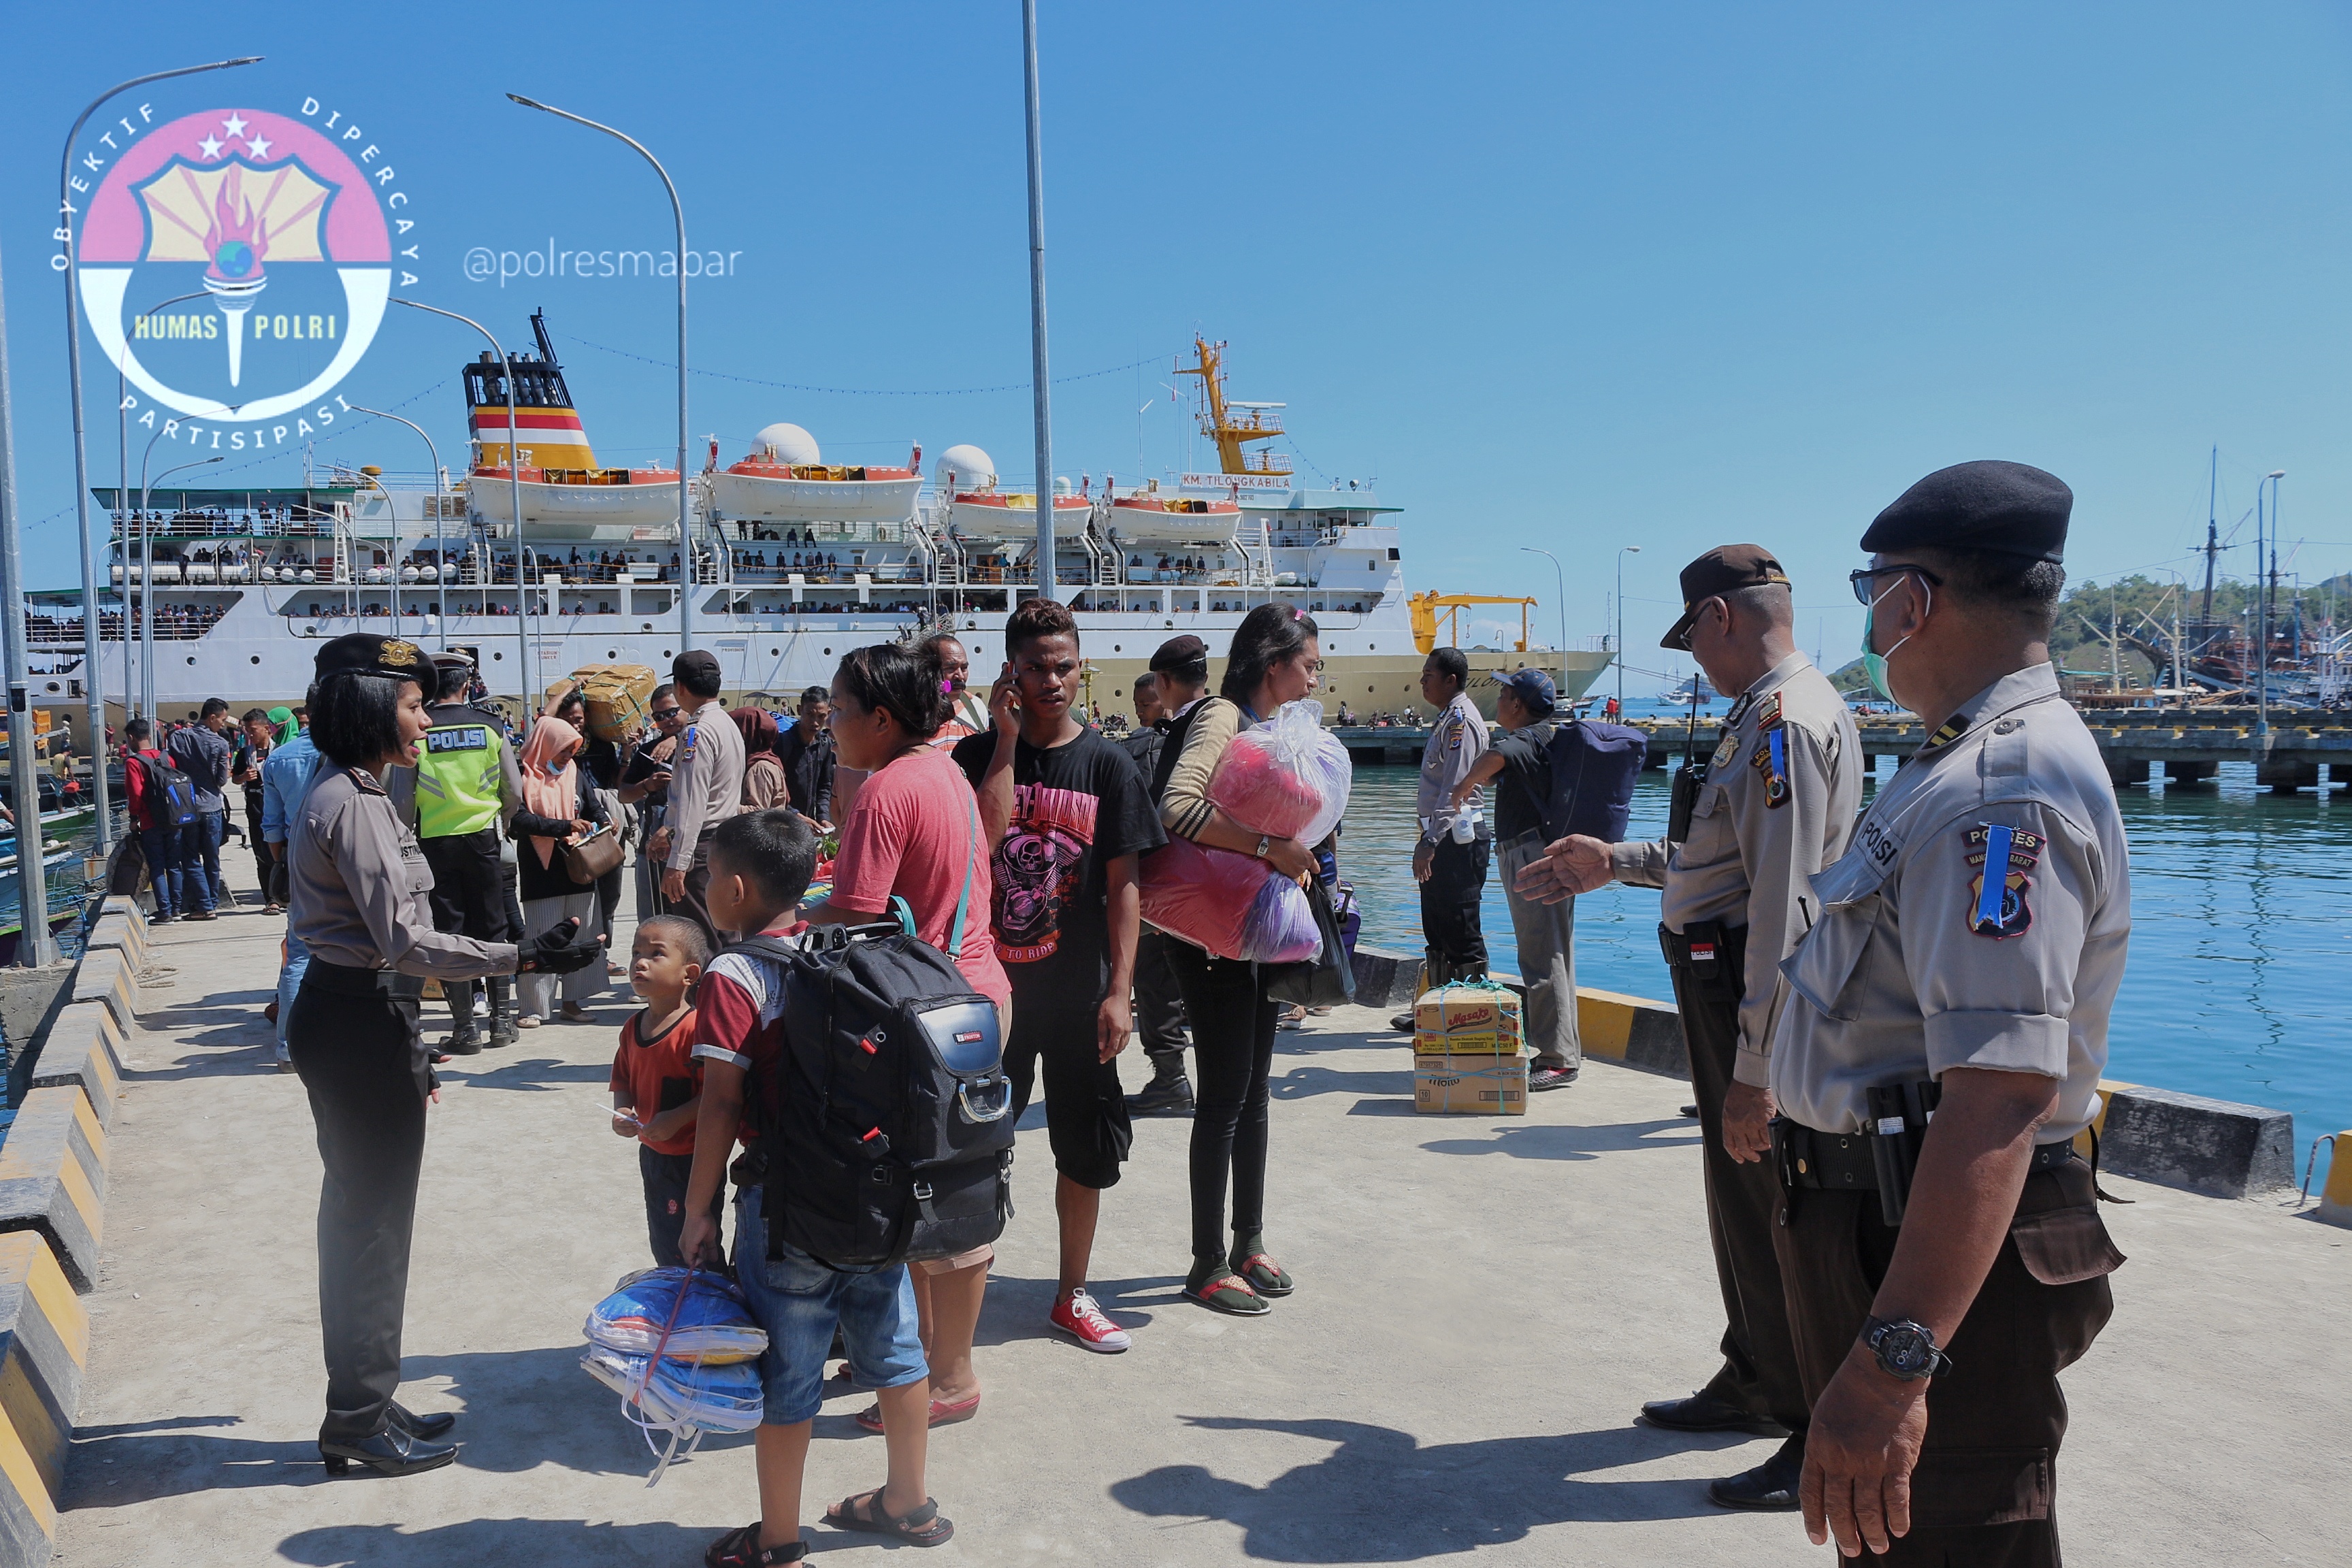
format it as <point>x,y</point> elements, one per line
<point>1264,1274</point>
<point>1221,1289</point>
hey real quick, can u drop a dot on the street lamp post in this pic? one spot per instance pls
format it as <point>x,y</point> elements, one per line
<point>685,500</point>
<point>94,698</point>
<point>1559,580</point>
<point>1040,390</point>
<point>525,675</point>
<point>2261,649</point>
<point>432,454</point>
<point>34,946</point>
<point>147,576</point>
<point>1622,551</point>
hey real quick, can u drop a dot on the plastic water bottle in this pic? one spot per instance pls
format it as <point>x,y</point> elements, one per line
<point>1465,824</point>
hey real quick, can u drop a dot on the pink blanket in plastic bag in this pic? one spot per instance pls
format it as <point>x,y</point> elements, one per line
<point>1233,906</point>
<point>1287,777</point>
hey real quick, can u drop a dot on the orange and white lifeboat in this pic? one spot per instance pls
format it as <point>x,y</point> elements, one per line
<point>561,484</point>
<point>976,509</point>
<point>784,479</point>
<point>1146,514</point>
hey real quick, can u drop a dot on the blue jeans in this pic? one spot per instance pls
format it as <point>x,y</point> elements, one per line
<point>200,844</point>
<point>800,1301</point>
<point>290,981</point>
<point>161,847</point>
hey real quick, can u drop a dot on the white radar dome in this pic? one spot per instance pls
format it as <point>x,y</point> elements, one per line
<point>974,469</point>
<point>785,443</point>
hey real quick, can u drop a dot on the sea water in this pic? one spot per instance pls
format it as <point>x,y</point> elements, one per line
<point>2238,934</point>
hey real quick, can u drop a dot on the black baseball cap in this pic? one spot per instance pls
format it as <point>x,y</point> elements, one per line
<point>2010,509</point>
<point>1724,569</point>
<point>364,653</point>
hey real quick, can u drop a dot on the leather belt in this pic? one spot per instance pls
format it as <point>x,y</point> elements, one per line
<point>345,980</point>
<point>1843,1162</point>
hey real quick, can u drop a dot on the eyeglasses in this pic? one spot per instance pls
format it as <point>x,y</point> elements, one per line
<point>664,715</point>
<point>1863,579</point>
<point>1683,643</point>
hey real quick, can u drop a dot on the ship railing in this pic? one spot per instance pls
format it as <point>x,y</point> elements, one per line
<point>169,627</point>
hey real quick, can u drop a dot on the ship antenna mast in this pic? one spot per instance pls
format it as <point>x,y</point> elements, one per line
<point>2213,531</point>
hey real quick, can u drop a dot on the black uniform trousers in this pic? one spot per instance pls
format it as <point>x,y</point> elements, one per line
<point>1449,909</point>
<point>1743,1201</point>
<point>468,899</point>
<point>355,1045</point>
<point>695,905</point>
<point>1984,1493</point>
<point>1159,1004</point>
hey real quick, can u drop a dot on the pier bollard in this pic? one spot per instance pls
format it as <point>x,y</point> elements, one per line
<point>112,931</point>
<point>43,1346</point>
<point>2210,1146</point>
<point>53,1180</point>
<point>84,1047</point>
<point>103,976</point>
<point>1631,1030</point>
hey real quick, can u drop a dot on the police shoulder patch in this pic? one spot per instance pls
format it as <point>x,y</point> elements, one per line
<point>2003,857</point>
<point>1768,712</point>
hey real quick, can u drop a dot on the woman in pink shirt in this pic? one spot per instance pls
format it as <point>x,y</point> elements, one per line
<point>914,832</point>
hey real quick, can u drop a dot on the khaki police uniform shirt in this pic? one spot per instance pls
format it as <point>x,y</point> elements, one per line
<point>707,786</point>
<point>1457,740</point>
<point>1759,833</point>
<point>360,882</point>
<point>1913,968</point>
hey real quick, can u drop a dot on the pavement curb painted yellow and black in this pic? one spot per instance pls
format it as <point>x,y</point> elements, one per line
<point>53,1181</point>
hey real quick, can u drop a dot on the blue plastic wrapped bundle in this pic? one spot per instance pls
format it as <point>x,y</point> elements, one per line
<point>710,1324</point>
<point>680,1395</point>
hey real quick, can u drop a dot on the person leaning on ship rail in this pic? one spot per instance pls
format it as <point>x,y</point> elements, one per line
<point>360,882</point>
<point>1966,960</point>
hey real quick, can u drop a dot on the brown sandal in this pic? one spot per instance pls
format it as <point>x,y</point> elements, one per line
<point>922,1525</point>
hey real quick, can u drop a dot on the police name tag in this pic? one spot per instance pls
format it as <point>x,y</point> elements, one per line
<point>457,738</point>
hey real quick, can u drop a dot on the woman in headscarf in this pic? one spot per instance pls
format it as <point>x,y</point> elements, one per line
<point>283,725</point>
<point>763,770</point>
<point>560,805</point>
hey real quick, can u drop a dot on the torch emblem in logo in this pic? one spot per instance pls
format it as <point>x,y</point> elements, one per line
<point>229,205</point>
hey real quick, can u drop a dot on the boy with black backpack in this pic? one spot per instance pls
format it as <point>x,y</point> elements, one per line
<point>161,803</point>
<point>760,864</point>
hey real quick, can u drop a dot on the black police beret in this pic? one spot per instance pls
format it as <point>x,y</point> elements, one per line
<point>2009,508</point>
<point>696,665</point>
<point>364,653</point>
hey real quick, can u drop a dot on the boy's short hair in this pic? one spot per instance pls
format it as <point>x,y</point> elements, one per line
<point>687,936</point>
<point>773,850</point>
<point>1038,618</point>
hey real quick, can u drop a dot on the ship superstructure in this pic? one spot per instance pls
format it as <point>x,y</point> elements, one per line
<point>787,564</point>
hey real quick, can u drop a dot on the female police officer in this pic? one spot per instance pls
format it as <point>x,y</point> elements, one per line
<point>359,903</point>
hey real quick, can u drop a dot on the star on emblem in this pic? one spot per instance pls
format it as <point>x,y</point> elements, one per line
<point>257,145</point>
<point>234,124</point>
<point>210,146</point>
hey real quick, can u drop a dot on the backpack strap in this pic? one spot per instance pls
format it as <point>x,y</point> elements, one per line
<point>970,866</point>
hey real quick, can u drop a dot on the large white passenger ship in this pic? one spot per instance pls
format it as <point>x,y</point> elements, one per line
<point>786,564</point>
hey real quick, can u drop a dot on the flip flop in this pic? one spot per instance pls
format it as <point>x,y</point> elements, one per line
<point>1227,1293</point>
<point>922,1525</point>
<point>1264,1274</point>
<point>942,1413</point>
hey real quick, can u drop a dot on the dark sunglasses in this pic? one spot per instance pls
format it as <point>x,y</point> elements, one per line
<point>1863,579</point>
<point>664,715</point>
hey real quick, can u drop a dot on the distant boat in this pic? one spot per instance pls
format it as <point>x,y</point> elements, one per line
<point>1695,689</point>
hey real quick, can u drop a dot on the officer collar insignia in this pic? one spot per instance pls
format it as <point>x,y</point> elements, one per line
<point>1950,730</point>
<point>1768,712</point>
<point>2003,856</point>
<point>366,781</point>
<point>1739,707</point>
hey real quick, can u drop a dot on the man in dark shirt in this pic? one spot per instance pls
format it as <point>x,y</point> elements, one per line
<point>1068,816</point>
<point>806,751</point>
<point>200,751</point>
<point>1178,677</point>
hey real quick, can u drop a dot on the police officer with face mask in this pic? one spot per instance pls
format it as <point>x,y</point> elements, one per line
<point>1941,1273</point>
<point>360,883</point>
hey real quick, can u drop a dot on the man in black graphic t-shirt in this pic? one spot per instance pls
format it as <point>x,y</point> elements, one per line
<point>1069,813</point>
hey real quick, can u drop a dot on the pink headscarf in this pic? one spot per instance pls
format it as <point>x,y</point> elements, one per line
<point>551,784</point>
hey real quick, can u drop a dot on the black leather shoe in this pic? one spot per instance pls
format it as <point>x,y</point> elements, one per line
<point>390,1452</point>
<point>1706,1413</point>
<point>437,1424</point>
<point>1403,1023</point>
<point>1769,1488</point>
<point>467,1044</point>
<point>1162,1097</point>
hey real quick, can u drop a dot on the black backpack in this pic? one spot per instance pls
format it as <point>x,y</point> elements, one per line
<point>171,794</point>
<point>888,1136</point>
<point>1594,768</point>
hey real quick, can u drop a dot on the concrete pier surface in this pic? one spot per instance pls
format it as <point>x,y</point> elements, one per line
<point>1482,1305</point>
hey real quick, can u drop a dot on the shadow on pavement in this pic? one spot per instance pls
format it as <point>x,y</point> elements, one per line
<point>530,1073</point>
<point>484,1541</point>
<point>1555,1141</point>
<point>1305,1082</point>
<point>1380,1497</point>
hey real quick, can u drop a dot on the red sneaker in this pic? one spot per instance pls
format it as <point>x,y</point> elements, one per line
<point>1077,1315</point>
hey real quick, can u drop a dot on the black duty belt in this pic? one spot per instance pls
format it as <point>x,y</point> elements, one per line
<point>344,980</point>
<point>1845,1162</point>
<point>1705,948</point>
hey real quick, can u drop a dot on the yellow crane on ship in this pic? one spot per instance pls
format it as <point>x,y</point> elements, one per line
<point>1430,606</point>
<point>1233,426</point>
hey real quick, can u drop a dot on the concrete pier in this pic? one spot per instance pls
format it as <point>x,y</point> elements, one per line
<point>1482,1305</point>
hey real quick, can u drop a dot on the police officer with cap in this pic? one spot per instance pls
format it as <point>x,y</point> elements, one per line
<point>467,787</point>
<point>1963,962</point>
<point>360,905</point>
<point>1772,805</point>
<point>1181,665</point>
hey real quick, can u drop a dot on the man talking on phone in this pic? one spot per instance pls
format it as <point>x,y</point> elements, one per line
<point>468,788</point>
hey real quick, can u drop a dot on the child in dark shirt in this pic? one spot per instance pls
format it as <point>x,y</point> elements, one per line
<point>656,1082</point>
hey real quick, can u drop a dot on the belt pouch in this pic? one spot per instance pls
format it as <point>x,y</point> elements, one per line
<point>1899,1114</point>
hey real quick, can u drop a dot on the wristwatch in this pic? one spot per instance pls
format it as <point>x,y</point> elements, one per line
<point>1904,1349</point>
<point>1265,842</point>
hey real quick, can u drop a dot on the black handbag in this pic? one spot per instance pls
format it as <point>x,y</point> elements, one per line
<point>1326,980</point>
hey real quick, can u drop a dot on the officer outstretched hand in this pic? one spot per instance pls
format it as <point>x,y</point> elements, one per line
<point>1573,865</point>
<point>555,951</point>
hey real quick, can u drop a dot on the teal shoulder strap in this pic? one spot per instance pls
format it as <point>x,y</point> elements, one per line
<point>971,865</point>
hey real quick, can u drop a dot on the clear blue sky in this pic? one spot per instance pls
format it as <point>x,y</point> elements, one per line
<point>1566,275</point>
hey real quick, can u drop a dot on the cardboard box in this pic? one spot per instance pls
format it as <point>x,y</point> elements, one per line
<point>1470,1085</point>
<point>1485,1022</point>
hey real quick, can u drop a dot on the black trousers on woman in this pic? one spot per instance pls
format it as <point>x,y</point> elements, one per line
<point>1232,1051</point>
<point>353,1037</point>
